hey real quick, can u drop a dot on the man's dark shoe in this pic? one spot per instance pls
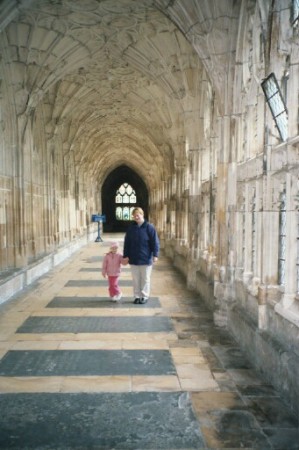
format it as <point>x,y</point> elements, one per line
<point>137,301</point>
<point>143,300</point>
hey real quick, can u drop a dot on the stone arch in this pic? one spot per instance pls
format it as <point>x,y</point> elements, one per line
<point>120,175</point>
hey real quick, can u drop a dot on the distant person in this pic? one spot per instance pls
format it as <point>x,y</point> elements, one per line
<point>112,267</point>
<point>141,250</point>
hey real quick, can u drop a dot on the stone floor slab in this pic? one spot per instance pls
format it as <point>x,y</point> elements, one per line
<point>95,325</point>
<point>124,421</point>
<point>17,363</point>
<point>94,259</point>
<point>99,302</point>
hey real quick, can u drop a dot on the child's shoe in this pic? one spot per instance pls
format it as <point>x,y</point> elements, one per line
<point>118,297</point>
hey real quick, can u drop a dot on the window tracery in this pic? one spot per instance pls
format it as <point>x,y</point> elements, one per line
<point>124,197</point>
<point>277,105</point>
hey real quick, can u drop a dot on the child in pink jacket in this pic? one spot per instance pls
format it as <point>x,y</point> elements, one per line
<point>111,268</point>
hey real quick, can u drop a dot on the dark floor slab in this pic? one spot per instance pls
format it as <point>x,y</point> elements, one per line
<point>93,259</point>
<point>17,363</point>
<point>130,421</point>
<point>100,302</point>
<point>91,283</point>
<point>95,325</point>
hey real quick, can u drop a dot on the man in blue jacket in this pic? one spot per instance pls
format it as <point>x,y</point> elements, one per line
<point>141,250</point>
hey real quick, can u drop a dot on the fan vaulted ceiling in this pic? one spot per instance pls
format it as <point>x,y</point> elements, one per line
<point>115,78</point>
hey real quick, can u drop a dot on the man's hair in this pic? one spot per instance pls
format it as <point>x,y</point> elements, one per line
<point>139,210</point>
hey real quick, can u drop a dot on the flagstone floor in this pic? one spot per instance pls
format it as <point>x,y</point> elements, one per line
<point>78,371</point>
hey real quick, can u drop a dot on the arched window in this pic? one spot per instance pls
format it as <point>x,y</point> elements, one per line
<point>282,239</point>
<point>295,12</point>
<point>277,105</point>
<point>124,198</point>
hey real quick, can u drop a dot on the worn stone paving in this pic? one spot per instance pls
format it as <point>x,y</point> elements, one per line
<point>80,372</point>
<point>148,420</point>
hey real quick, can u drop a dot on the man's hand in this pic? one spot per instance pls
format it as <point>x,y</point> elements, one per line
<point>155,259</point>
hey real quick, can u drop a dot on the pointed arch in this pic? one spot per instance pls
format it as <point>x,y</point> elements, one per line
<point>113,205</point>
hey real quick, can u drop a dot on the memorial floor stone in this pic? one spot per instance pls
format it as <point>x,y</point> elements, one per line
<point>99,302</point>
<point>128,421</point>
<point>95,325</point>
<point>35,363</point>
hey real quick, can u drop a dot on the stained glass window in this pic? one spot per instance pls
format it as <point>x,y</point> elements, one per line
<point>118,213</point>
<point>125,196</point>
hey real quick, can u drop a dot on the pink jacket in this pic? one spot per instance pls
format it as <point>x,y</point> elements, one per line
<point>112,264</point>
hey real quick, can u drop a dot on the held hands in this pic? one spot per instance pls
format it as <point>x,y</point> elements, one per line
<point>104,275</point>
<point>125,261</point>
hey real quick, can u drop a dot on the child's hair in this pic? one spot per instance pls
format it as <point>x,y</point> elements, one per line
<point>114,245</point>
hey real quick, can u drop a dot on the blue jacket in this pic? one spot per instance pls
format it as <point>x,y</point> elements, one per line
<point>141,244</point>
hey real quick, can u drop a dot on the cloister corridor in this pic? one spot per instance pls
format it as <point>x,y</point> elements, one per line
<point>188,109</point>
